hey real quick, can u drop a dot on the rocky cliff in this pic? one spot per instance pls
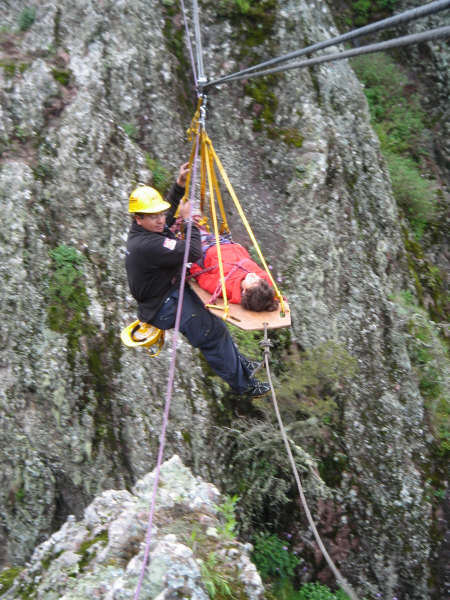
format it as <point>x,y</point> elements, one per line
<point>102,554</point>
<point>96,96</point>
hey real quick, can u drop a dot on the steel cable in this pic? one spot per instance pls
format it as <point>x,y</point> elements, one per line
<point>404,17</point>
<point>415,38</point>
<point>189,44</point>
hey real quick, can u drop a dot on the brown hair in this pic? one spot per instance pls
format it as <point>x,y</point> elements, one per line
<point>259,297</point>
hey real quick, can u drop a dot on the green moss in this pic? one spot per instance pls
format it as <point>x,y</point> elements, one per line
<point>187,437</point>
<point>264,103</point>
<point>84,550</point>
<point>42,172</point>
<point>62,76</point>
<point>8,67</point>
<point>66,296</point>
<point>174,35</point>
<point>161,177</point>
<point>253,18</point>
<point>7,578</point>
<point>428,278</point>
<point>292,137</point>
<point>131,130</point>
<point>20,494</point>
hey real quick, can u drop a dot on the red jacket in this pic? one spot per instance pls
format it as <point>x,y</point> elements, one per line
<point>232,254</point>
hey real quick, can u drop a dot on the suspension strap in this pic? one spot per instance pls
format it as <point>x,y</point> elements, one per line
<point>244,220</point>
<point>212,206</point>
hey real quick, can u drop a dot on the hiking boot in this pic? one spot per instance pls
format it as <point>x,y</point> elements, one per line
<point>257,388</point>
<point>249,365</point>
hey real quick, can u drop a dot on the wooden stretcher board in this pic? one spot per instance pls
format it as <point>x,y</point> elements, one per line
<point>246,319</point>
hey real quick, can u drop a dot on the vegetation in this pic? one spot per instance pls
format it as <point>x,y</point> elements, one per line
<point>218,583</point>
<point>400,124</point>
<point>228,529</point>
<point>86,552</point>
<point>316,591</point>
<point>272,557</point>
<point>131,130</point>
<point>430,358</point>
<point>161,177</point>
<point>66,296</point>
<point>27,18</point>
<point>7,577</point>
<point>62,76</point>
<point>285,590</point>
<point>365,11</point>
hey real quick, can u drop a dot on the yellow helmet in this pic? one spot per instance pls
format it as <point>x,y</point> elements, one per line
<point>152,335</point>
<point>145,199</point>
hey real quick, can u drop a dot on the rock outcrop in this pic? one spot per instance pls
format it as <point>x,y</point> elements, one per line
<point>101,555</point>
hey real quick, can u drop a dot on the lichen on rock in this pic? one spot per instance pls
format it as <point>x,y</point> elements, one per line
<point>101,555</point>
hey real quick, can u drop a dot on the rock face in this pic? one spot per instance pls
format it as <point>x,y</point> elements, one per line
<point>101,555</point>
<point>96,96</point>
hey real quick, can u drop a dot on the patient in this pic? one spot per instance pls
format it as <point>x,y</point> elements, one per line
<point>245,282</point>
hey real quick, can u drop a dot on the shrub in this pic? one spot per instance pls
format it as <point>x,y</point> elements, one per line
<point>27,18</point>
<point>227,510</point>
<point>399,122</point>
<point>162,178</point>
<point>316,591</point>
<point>366,10</point>
<point>412,192</point>
<point>272,557</point>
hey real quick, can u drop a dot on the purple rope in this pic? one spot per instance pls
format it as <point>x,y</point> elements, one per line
<point>162,438</point>
<point>189,45</point>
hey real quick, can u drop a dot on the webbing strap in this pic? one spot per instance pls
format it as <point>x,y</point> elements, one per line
<point>193,134</point>
<point>224,225</point>
<point>208,163</point>
<point>212,205</point>
<point>244,220</point>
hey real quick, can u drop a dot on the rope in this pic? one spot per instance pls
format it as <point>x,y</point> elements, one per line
<point>415,38</point>
<point>339,577</point>
<point>162,438</point>
<point>404,17</point>
<point>188,43</point>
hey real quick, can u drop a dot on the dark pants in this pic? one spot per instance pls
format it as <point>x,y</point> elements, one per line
<point>208,333</point>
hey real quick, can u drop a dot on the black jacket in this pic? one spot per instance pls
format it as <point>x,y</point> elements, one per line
<point>154,260</point>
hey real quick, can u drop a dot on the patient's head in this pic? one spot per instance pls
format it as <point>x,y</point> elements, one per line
<point>257,294</point>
